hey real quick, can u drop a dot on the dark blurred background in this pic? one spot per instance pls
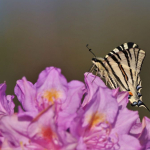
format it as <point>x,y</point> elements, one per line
<point>40,33</point>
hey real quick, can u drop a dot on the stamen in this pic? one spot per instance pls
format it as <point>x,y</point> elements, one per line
<point>21,145</point>
<point>96,118</point>
<point>51,95</point>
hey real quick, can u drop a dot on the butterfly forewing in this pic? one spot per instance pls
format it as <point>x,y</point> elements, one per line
<point>116,71</point>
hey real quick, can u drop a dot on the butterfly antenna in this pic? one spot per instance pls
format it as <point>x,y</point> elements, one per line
<point>90,50</point>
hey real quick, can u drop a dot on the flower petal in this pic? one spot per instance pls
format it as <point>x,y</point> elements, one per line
<point>122,99</point>
<point>124,121</point>
<point>137,128</point>
<point>81,145</point>
<point>42,130</point>
<point>145,135</point>
<point>14,130</point>
<point>71,105</point>
<point>51,87</point>
<point>26,94</point>
<point>6,102</point>
<point>92,83</point>
<point>104,103</point>
<point>128,142</point>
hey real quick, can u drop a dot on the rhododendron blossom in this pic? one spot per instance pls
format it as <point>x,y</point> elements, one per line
<point>60,115</point>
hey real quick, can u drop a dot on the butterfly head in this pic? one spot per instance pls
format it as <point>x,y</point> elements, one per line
<point>98,63</point>
<point>94,60</point>
<point>97,60</point>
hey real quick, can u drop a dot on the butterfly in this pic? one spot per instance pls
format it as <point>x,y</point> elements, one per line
<point>121,68</point>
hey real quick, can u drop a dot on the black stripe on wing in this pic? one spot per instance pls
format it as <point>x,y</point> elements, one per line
<point>110,79</point>
<point>126,52</point>
<point>126,55</point>
<point>140,58</point>
<point>112,82</point>
<point>131,76</point>
<point>142,62</point>
<point>120,67</point>
<point>121,48</point>
<point>96,60</point>
<point>116,54</point>
<point>129,45</point>
<point>118,79</point>
<point>139,84</point>
<point>125,49</point>
<point>137,57</point>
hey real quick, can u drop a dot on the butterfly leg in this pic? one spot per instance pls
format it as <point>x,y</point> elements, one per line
<point>91,70</point>
<point>106,79</point>
<point>101,73</point>
<point>95,76</point>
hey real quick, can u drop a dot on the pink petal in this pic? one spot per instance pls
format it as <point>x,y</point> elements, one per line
<point>122,99</point>
<point>14,130</point>
<point>6,102</point>
<point>26,94</point>
<point>42,130</point>
<point>71,105</point>
<point>128,142</point>
<point>145,135</point>
<point>92,83</point>
<point>51,80</point>
<point>124,121</point>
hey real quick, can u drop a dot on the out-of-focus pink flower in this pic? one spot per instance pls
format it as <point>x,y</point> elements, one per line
<point>40,133</point>
<point>6,106</point>
<point>142,132</point>
<point>6,102</point>
<point>14,130</point>
<point>103,123</point>
<point>46,104</point>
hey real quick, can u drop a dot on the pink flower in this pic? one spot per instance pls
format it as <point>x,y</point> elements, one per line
<point>51,87</point>
<point>53,116</point>
<point>46,104</point>
<point>102,122</point>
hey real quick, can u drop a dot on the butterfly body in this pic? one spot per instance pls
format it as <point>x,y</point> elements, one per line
<point>121,68</point>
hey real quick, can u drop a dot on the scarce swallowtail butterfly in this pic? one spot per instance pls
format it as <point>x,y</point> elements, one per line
<point>121,68</point>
